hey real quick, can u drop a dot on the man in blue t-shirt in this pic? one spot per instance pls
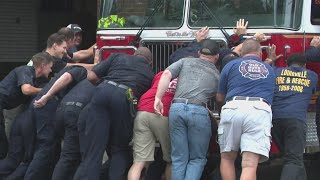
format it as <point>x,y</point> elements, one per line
<point>294,88</point>
<point>246,85</point>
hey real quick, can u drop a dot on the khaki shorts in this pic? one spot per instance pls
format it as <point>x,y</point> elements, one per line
<point>246,125</point>
<point>149,128</point>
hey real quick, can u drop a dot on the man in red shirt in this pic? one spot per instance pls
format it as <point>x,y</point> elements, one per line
<point>149,128</point>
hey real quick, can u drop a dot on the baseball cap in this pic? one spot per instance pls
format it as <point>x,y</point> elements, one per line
<point>209,47</point>
<point>145,52</point>
<point>296,58</point>
<point>75,28</point>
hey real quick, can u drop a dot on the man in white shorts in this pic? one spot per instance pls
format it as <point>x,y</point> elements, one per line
<point>246,85</point>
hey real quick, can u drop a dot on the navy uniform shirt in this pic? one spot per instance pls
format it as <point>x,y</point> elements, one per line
<point>191,50</point>
<point>82,92</point>
<point>312,54</point>
<point>132,71</point>
<point>58,65</point>
<point>78,74</point>
<point>247,76</point>
<point>10,86</point>
<point>70,54</point>
<point>293,91</point>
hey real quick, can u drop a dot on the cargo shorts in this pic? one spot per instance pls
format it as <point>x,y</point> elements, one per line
<point>246,126</point>
<point>148,129</point>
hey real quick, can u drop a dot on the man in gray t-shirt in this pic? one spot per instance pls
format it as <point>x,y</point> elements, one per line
<point>189,122</point>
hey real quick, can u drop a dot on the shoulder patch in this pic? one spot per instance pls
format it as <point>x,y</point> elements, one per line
<point>253,70</point>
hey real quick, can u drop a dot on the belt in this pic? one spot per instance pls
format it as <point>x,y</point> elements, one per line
<point>186,101</point>
<point>72,103</point>
<point>244,98</point>
<point>116,84</point>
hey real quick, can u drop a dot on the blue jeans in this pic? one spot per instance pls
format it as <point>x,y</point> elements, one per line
<point>190,132</point>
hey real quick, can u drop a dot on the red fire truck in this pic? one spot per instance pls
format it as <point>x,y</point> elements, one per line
<point>166,25</point>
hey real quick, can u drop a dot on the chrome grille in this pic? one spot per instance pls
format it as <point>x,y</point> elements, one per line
<point>161,52</point>
<point>311,136</point>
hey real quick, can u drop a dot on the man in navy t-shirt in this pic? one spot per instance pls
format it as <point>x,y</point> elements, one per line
<point>43,108</point>
<point>247,85</point>
<point>17,88</point>
<point>294,88</point>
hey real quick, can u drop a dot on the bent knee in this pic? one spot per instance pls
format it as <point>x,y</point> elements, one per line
<point>250,160</point>
<point>249,163</point>
<point>229,156</point>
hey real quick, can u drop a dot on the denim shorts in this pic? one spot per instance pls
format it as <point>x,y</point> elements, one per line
<point>246,126</point>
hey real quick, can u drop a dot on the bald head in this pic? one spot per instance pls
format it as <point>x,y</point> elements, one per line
<point>250,46</point>
<point>145,52</point>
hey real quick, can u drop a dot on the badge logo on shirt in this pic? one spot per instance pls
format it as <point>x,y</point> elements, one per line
<point>172,86</point>
<point>253,69</point>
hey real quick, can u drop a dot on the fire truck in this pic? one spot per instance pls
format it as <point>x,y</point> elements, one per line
<point>166,25</point>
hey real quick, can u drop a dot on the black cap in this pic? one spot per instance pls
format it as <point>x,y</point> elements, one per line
<point>209,47</point>
<point>75,28</point>
<point>296,58</point>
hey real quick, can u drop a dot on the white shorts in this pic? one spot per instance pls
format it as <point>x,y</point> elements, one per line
<point>246,125</point>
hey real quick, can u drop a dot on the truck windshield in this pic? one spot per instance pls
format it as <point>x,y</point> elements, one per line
<point>134,13</point>
<point>259,13</point>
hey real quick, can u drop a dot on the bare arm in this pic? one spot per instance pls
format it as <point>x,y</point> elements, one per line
<point>62,82</point>
<point>162,87</point>
<point>83,55</point>
<point>87,66</point>
<point>92,77</point>
<point>29,90</point>
<point>271,54</point>
<point>220,98</point>
<point>241,27</point>
<point>202,34</point>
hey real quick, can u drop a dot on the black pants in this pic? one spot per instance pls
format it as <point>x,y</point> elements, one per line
<point>3,137</point>
<point>41,165</point>
<point>290,136</point>
<point>82,139</point>
<point>21,142</point>
<point>109,123</point>
<point>19,172</point>
<point>66,127</point>
<point>318,118</point>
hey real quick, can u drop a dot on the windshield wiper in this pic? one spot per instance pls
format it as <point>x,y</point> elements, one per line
<point>137,36</point>
<point>217,22</point>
